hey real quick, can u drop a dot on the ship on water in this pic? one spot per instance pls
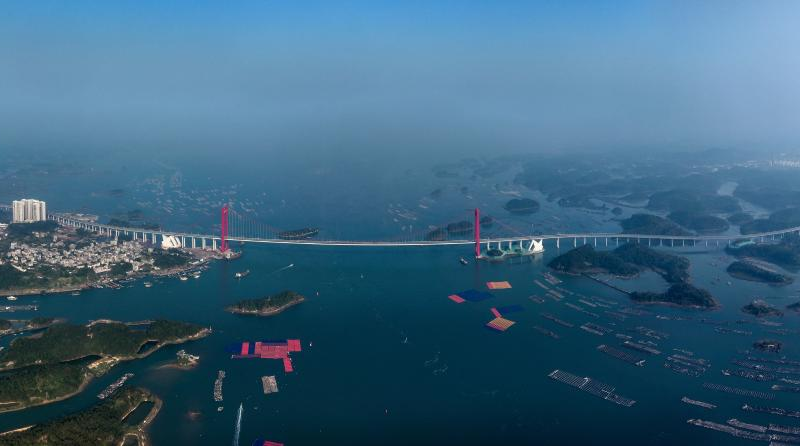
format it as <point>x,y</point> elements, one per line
<point>298,234</point>
<point>240,274</point>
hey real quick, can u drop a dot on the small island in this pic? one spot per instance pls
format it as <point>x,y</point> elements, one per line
<point>625,261</point>
<point>759,308</point>
<point>460,228</point>
<point>183,361</point>
<point>522,206</point>
<point>795,307</point>
<point>747,270</point>
<point>679,294</point>
<point>267,306</point>
<point>108,422</point>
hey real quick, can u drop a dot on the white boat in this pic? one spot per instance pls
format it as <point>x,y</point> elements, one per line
<point>184,278</point>
<point>11,297</point>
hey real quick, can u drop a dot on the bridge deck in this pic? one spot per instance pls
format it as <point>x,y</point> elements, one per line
<point>395,243</point>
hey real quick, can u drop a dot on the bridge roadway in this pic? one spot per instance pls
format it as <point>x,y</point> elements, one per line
<point>144,234</point>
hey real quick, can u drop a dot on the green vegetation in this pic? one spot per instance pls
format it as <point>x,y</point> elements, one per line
<point>267,306</point>
<point>740,218</point>
<point>460,228</point>
<point>44,277</point>
<point>699,222</point>
<point>625,261</point>
<point>120,269</point>
<point>586,259</point>
<point>64,342</point>
<point>755,273</point>
<point>22,230</point>
<point>786,253</point>
<point>164,259</point>
<point>581,201</point>
<point>672,268</point>
<point>785,218</point>
<point>522,206</point>
<point>685,200</point>
<point>759,308</point>
<point>682,294</point>
<point>101,424</point>
<point>5,324</point>
<point>40,383</point>
<point>650,225</point>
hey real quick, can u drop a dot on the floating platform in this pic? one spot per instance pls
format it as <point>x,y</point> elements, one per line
<point>592,387</point>
<point>269,384</point>
<point>697,403</point>
<point>262,442</point>
<point>267,350</point>
<point>500,324</point>
<point>621,355</point>
<point>498,285</point>
<point>738,391</point>
<point>495,312</point>
<point>455,298</point>
<point>772,410</point>
<point>471,296</point>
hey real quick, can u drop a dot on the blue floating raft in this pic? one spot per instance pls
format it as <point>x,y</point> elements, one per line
<point>474,295</point>
<point>510,309</point>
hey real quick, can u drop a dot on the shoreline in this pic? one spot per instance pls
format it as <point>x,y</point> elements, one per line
<point>89,376</point>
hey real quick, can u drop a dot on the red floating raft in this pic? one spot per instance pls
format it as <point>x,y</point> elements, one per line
<point>269,350</point>
<point>456,299</point>
<point>496,313</point>
<point>498,285</point>
<point>500,324</point>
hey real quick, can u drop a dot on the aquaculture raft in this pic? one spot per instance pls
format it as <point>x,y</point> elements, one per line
<point>500,324</point>
<point>470,295</point>
<point>269,384</point>
<point>267,350</point>
<point>592,387</point>
<point>498,285</point>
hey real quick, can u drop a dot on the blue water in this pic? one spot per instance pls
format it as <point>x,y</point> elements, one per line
<point>394,361</point>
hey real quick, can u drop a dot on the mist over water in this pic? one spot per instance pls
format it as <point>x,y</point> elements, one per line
<point>414,78</point>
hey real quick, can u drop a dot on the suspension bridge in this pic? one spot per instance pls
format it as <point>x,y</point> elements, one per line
<point>235,227</point>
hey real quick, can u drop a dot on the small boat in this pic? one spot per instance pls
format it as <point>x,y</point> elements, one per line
<point>240,274</point>
<point>196,276</point>
<point>184,278</point>
<point>76,293</point>
<point>463,261</point>
<point>148,284</point>
<point>11,297</point>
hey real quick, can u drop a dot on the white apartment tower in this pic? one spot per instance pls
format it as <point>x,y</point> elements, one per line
<point>28,211</point>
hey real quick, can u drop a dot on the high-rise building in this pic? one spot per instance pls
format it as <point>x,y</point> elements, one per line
<point>28,210</point>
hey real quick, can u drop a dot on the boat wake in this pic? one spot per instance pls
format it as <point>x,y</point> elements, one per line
<point>238,425</point>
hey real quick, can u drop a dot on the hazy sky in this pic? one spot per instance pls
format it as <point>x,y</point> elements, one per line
<point>425,75</point>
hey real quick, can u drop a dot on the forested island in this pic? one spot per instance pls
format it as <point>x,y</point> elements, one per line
<point>755,273</point>
<point>759,308</point>
<point>59,363</point>
<point>679,294</point>
<point>522,206</point>
<point>651,225</point>
<point>267,306</point>
<point>699,222</point>
<point>786,252</point>
<point>102,424</point>
<point>627,260</point>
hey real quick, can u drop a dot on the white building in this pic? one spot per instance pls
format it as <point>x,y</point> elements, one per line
<point>29,210</point>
